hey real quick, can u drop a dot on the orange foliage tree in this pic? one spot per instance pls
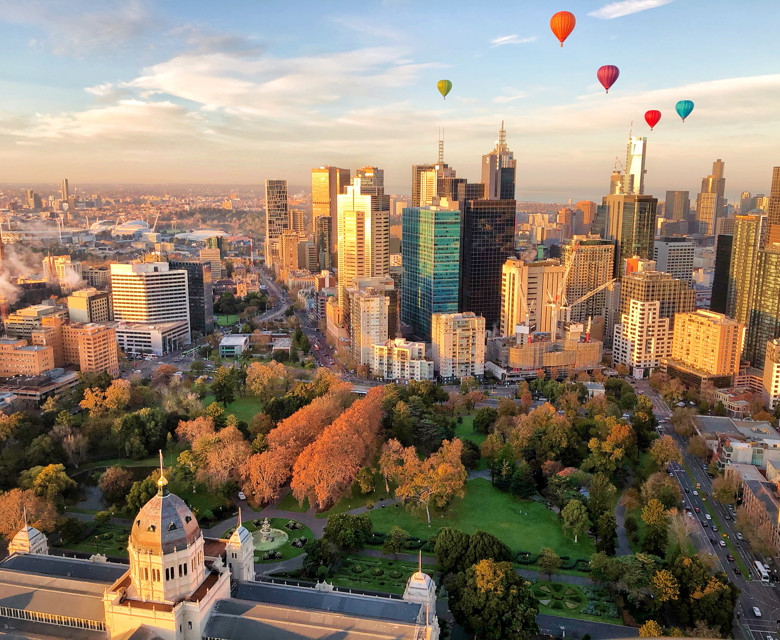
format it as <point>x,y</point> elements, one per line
<point>328,466</point>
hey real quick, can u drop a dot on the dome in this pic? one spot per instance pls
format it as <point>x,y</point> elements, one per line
<point>164,524</point>
<point>419,587</point>
<point>131,227</point>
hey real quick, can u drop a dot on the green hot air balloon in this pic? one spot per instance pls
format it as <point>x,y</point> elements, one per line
<point>444,87</point>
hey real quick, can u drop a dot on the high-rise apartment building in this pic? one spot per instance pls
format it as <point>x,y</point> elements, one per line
<point>458,345</point>
<point>588,209</point>
<point>65,191</point>
<point>526,288</point>
<point>93,347</point>
<point>200,290</point>
<point>323,232</point>
<point>592,267</point>
<point>675,256</point>
<point>150,293</point>
<point>277,216</point>
<point>288,251</point>
<point>772,374</point>
<point>634,176</point>
<point>326,185</point>
<point>629,221</point>
<point>750,232</point>
<point>430,250</point>
<point>706,345</point>
<point>498,170</point>
<point>773,207</point>
<point>764,322</point>
<point>711,203</point>
<point>372,183</point>
<point>677,205</point>
<point>432,181</point>
<point>89,305</point>
<point>744,202</point>
<point>720,277</point>
<point>297,223</point>
<point>385,285</point>
<point>673,296</point>
<point>368,318</point>
<point>642,338</point>
<point>401,360</point>
<point>487,241</point>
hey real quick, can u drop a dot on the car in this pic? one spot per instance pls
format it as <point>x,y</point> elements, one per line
<point>687,490</point>
<point>704,524</point>
<point>757,612</point>
<point>739,536</point>
<point>730,558</point>
<point>671,475</point>
<point>696,493</point>
<point>241,495</point>
<point>722,543</point>
<point>704,467</point>
<point>712,540</point>
<point>708,516</point>
<point>697,510</point>
<point>737,571</point>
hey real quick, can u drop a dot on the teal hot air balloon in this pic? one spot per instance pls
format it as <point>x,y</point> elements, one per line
<point>684,108</point>
<point>444,87</point>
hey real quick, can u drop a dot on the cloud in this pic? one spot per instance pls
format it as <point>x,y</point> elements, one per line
<point>510,95</point>
<point>626,8</point>
<point>513,39</point>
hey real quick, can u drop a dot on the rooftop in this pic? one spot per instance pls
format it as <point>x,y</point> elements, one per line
<point>234,340</point>
<point>766,493</point>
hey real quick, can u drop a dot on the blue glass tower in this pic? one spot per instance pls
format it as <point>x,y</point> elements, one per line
<point>430,248</point>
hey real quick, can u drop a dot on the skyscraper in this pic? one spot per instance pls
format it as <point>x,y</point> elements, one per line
<point>200,293</point>
<point>629,221</point>
<point>773,210</point>
<point>525,289</point>
<point>673,295</point>
<point>764,322</point>
<point>592,266</point>
<point>750,233</point>
<point>430,248</point>
<point>720,278</point>
<point>710,203</point>
<point>323,230</point>
<point>326,184</point>
<point>677,205</point>
<point>675,256</point>
<point>65,190</point>
<point>277,216</point>
<point>498,170</point>
<point>372,183</point>
<point>634,176</point>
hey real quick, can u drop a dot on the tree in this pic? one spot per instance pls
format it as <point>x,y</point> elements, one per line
<point>606,533</point>
<point>482,546</point>
<point>651,629</point>
<point>725,488</point>
<point>115,483</point>
<point>522,484</point>
<point>697,446</point>
<point>484,419</point>
<point>664,451</point>
<point>549,562</point>
<point>601,492</point>
<point>365,480</point>
<point>471,455</point>
<point>665,586</point>
<point>575,518</point>
<point>18,504</point>
<point>117,395</point>
<point>192,430</point>
<point>615,443</point>
<point>52,482</point>
<point>631,499</point>
<point>224,386</point>
<point>141,492</point>
<point>94,401</point>
<point>757,532</point>
<point>268,381</point>
<point>451,547</point>
<point>663,488</point>
<point>682,421</point>
<point>140,433</point>
<point>493,602</point>
<point>654,514</point>
<point>468,384</point>
<point>395,541</point>
<point>348,531</point>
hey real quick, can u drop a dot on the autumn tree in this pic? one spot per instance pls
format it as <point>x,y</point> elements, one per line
<point>697,446</point>
<point>52,482</point>
<point>94,401</point>
<point>665,450</point>
<point>725,488</point>
<point>654,514</point>
<point>268,381</point>
<point>115,483</point>
<point>549,562</point>
<point>117,396</point>
<point>614,445</point>
<point>192,430</point>
<point>682,421</point>
<point>436,479</point>
<point>162,375</point>
<point>221,457</point>
<point>17,504</point>
<point>575,518</point>
<point>665,586</point>
<point>651,629</point>
<point>663,488</point>
<point>326,468</point>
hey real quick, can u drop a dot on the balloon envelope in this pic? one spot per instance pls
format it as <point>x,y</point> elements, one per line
<point>607,75</point>
<point>684,108</point>
<point>652,117</point>
<point>444,86</point>
<point>562,24</point>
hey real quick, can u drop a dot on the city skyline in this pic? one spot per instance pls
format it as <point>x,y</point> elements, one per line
<point>142,92</point>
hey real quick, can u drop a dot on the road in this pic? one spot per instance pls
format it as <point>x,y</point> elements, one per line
<point>754,593</point>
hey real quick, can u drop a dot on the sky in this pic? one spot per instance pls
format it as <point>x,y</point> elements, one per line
<point>238,91</point>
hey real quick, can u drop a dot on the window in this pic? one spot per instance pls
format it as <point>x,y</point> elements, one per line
<point>189,624</point>
<point>185,568</point>
<point>180,571</point>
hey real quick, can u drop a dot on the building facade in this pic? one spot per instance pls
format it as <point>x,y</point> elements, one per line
<point>711,203</point>
<point>677,205</point>
<point>17,358</point>
<point>675,257</point>
<point>750,232</point>
<point>764,324</point>
<point>592,266</point>
<point>326,185</point>
<point>498,170</point>
<point>458,345</point>
<point>720,277</point>
<point>525,291</point>
<point>277,216</point>
<point>628,221</point>
<point>200,291</point>
<point>642,339</point>
<point>401,361</point>
<point>771,379</point>
<point>368,318</point>
<point>89,305</point>
<point>674,296</point>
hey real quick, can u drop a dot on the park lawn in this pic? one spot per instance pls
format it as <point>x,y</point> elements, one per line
<point>200,500</point>
<point>524,525</point>
<point>374,574</point>
<point>244,408</point>
<point>465,430</point>
<point>572,601</point>
<point>289,503</point>
<point>225,320</point>
<point>108,539</point>
<point>356,499</point>
<point>169,459</point>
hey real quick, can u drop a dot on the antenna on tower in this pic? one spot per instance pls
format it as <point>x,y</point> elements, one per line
<point>502,135</point>
<point>441,145</point>
<point>631,129</point>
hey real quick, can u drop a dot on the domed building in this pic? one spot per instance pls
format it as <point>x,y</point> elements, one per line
<point>29,540</point>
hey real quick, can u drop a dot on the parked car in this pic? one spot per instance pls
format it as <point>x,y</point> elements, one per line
<point>696,493</point>
<point>708,516</point>
<point>241,495</point>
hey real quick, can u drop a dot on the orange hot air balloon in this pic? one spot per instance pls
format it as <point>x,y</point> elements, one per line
<point>562,24</point>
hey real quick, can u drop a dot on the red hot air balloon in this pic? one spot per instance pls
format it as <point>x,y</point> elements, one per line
<point>652,117</point>
<point>607,75</point>
<point>562,24</point>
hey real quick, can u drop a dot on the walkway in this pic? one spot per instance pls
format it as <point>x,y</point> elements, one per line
<point>623,546</point>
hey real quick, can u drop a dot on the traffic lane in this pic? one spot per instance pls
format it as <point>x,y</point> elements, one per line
<point>704,534</point>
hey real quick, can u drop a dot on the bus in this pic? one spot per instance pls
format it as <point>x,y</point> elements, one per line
<point>762,572</point>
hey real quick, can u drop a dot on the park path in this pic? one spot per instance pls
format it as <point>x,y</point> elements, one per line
<point>623,546</point>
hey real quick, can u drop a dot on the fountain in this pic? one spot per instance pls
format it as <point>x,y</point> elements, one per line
<point>266,533</point>
<point>268,538</point>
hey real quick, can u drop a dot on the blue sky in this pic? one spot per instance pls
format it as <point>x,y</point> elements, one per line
<point>240,91</point>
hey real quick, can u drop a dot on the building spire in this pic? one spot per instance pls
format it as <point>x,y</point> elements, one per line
<point>502,136</point>
<point>162,482</point>
<point>441,146</point>
<point>239,518</point>
<point>419,562</point>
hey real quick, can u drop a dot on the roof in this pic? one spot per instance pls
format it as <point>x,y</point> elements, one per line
<point>715,425</point>
<point>28,536</point>
<point>13,629</point>
<point>239,536</point>
<point>419,586</point>
<point>58,566</point>
<point>765,493</point>
<point>164,524</point>
<point>234,340</point>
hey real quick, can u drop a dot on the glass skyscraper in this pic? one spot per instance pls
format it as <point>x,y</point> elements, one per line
<point>628,220</point>
<point>430,250</point>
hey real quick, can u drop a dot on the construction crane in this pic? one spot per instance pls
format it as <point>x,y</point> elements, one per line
<point>560,296</point>
<point>154,226</point>
<point>588,295</point>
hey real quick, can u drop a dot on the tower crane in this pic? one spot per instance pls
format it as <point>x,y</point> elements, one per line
<point>557,302</point>
<point>588,295</point>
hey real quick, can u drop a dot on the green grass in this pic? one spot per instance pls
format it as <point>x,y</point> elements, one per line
<point>573,595</point>
<point>169,458</point>
<point>465,431</point>
<point>287,550</point>
<point>243,408</point>
<point>225,320</point>
<point>364,577</point>
<point>289,503</point>
<point>356,499</point>
<point>111,541</point>
<point>523,525</point>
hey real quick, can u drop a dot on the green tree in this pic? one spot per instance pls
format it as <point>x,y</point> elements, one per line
<point>141,492</point>
<point>493,602</point>
<point>142,432</point>
<point>606,533</point>
<point>468,384</point>
<point>601,493</point>
<point>224,386</point>
<point>522,484</point>
<point>575,518</point>
<point>484,419</point>
<point>348,531</point>
<point>725,489</point>
<point>549,562</point>
<point>395,541</point>
<point>451,547</point>
<point>483,545</point>
<point>52,482</point>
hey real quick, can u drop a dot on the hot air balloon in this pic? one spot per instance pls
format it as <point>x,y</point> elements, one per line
<point>684,108</point>
<point>652,117</point>
<point>607,75</point>
<point>562,24</point>
<point>444,86</point>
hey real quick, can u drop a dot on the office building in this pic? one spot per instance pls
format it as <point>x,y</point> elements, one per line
<point>288,251</point>
<point>200,290</point>
<point>430,249</point>
<point>592,267</point>
<point>17,358</point>
<point>89,305</point>
<point>297,223</point>
<point>764,322</point>
<point>673,296</point>
<point>458,345</point>
<point>326,185</point>
<point>234,345</point>
<point>93,347</point>
<point>634,175</point>
<point>150,293</point>
<point>628,221</point>
<point>750,232</point>
<point>432,181</point>
<point>642,338</point>
<point>711,203</point>
<point>616,183</point>
<point>49,334</point>
<point>772,374</point>
<point>498,170</point>
<point>160,338</point>
<point>677,205</point>
<point>401,361</point>
<point>744,202</point>
<point>588,209</point>
<point>720,277</point>
<point>64,272</point>
<point>20,324</point>
<point>368,318</point>
<point>323,232</point>
<point>675,257</point>
<point>773,207</point>
<point>308,257</point>
<point>526,288</point>
<point>706,346</point>
<point>213,255</point>
<point>487,241</point>
<point>372,183</point>
<point>277,216</point>
<point>725,225</point>
<point>98,277</point>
